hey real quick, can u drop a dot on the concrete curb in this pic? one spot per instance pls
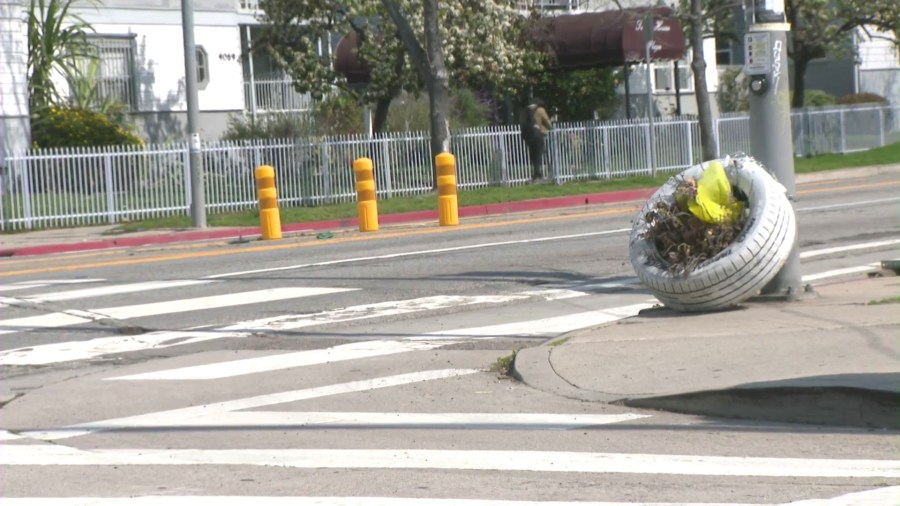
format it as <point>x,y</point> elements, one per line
<point>833,406</point>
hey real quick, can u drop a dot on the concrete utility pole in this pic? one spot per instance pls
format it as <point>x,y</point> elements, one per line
<point>651,140</point>
<point>198,198</point>
<point>771,138</point>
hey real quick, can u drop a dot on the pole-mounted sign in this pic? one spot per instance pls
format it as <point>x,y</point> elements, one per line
<point>771,135</point>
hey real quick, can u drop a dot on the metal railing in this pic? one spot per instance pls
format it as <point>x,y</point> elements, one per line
<point>275,94</point>
<point>67,187</point>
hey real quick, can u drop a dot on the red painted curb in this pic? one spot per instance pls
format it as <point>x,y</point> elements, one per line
<point>412,216</point>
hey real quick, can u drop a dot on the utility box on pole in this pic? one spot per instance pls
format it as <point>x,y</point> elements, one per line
<point>771,136</point>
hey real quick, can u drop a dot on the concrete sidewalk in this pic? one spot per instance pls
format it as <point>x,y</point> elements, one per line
<point>833,359</point>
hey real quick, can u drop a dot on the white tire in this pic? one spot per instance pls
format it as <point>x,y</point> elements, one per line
<point>742,269</point>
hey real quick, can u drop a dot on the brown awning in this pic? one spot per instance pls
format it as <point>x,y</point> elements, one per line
<point>347,61</point>
<point>595,39</point>
<point>577,41</point>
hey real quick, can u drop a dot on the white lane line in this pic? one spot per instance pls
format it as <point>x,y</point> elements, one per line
<point>419,253</point>
<point>83,350</point>
<point>840,272</point>
<point>24,285</point>
<point>885,496</point>
<point>176,416</point>
<point>75,317</point>
<point>848,204</point>
<point>324,501</point>
<point>849,247</point>
<point>350,351</point>
<point>455,421</point>
<point>366,349</point>
<point>6,435</point>
<point>374,310</point>
<point>487,460</point>
<point>101,291</point>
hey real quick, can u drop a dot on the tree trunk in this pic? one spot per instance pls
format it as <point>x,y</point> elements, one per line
<point>708,145</point>
<point>429,63</point>
<point>438,82</point>
<point>800,65</point>
<point>379,121</point>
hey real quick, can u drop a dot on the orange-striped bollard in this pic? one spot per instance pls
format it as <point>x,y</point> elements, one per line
<point>366,205</point>
<point>269,217</point>
<point>448,208</point>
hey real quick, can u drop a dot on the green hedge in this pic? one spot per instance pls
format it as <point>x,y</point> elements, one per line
<point>58,127</point>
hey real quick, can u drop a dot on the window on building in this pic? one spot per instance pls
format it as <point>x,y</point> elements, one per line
<point>724,52</point>
<point>202,67</point>
<point>685,77</point>
<point>662,78</point>
<point>112,71</point>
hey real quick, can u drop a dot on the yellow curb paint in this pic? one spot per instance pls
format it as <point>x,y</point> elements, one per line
<point>281,246</point>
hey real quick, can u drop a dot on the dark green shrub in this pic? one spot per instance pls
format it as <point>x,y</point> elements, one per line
<point>817,98</point>
<point>861,98</point>
<point>58,127</point>
<point>268,126</point>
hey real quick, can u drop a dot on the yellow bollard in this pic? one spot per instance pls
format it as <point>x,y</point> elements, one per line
<point>448,208</point>
<point>269,216</point>
<point>366,205</point>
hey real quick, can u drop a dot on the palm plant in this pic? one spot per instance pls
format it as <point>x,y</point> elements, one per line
<point>85,92</point>
<point>57,40</point>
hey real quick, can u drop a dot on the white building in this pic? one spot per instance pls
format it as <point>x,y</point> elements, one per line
<point>14,121</point>
<point>140,45</point>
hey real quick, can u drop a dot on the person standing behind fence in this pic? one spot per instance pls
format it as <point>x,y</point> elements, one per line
<point>535,128</point>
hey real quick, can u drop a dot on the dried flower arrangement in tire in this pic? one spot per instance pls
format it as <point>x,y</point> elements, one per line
<point>714,235</point>
<point>703,219</point>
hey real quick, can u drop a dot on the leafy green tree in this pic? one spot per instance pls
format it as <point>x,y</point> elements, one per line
<point>704,18</point>
<point>576,95</point>
<point>823,27</point>
<point>411,45</point>
<point>57,40</point>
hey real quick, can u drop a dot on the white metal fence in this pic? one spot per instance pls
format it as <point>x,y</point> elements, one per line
<point>67,187</point>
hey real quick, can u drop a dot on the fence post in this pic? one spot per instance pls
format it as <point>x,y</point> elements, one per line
<point>554,156</point>
<point>649,151</point>
<point>26,192</point>
<point>386,168</point>
<point>186,164</point>
<point>843,133</point>
<point>326,174</point>
<point>607,157</point>
<point>504,166</point>
<point>881,126</point>
<point>690,141</point>
<point>110,189</point>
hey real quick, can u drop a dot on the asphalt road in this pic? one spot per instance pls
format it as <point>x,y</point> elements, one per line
<point>360,366</point>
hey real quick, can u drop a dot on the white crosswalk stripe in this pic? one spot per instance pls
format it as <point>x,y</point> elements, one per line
<point>100,291</point>
<point>492,460</point>
<point>75,317</point>
<point>82,350</point>
<point>885,496</point>
<point>28,285</point>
